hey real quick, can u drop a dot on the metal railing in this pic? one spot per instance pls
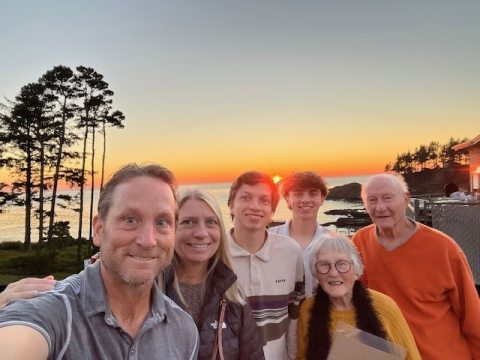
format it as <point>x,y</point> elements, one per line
<point>462,223</point>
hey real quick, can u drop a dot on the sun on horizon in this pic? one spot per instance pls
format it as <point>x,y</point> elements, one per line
<point>276,179</point>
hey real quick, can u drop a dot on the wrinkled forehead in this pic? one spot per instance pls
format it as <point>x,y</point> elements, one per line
<point>383,185</point>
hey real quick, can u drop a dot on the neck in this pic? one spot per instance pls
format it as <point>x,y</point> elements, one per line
<point>191,273</point>
<point>302,230</point>
<point>342,304</point>
<point>130,304</point>
<point>393,237</point>
<point>252,241</point>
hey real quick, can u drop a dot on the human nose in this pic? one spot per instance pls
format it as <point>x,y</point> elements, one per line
<point>304,197</point>
<point>200,231</point>
<point>147,237</point>
<point>380,205</point>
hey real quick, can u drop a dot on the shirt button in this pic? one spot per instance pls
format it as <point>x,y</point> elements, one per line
<point>132,351</point>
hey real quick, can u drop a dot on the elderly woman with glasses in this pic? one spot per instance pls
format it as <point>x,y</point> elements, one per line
<point>340,297</point>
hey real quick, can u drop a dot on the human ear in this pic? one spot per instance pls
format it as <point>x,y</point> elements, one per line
<point>97,230</point>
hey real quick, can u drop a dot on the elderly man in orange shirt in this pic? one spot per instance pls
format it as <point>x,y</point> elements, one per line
<point>422,269</point>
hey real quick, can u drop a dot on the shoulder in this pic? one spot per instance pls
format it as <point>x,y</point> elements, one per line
<point>365,231</point>
<point>384,304</point>
<point>438,242</point>
<point>176,315</point>
<point>282,241</point>
<point>279,229</point>
<point>306,306</point>
<point>436,235</point>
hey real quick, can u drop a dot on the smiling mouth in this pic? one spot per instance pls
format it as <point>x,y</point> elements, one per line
<point>142,258</point>
<point>253,216</point>
<point>335,282</point>
<point>199,246</point>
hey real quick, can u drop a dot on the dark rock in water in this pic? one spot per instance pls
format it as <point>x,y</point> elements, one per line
<point>345,192</point>
<point>355,218</point>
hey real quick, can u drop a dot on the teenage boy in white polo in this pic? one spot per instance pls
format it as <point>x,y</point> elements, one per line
<point>269,266</point>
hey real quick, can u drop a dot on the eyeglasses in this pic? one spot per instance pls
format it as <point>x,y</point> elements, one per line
<point>342,267</point>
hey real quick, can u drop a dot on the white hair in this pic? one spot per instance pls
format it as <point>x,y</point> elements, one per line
<point>396,179</point>
<point>336,242</point>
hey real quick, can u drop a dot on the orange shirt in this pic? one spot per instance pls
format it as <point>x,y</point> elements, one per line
<point>430,280</point>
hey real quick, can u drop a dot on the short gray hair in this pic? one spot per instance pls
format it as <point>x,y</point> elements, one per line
<point>395,178</point>
<point>336,242</point>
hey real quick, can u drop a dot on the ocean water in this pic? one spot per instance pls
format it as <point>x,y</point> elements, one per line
<point>12,222</point>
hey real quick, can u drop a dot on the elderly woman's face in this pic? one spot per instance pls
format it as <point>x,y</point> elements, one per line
<point>335,275</point>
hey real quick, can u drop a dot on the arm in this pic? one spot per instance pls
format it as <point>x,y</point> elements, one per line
<point>398,328</point>
<point>32,346</point>
<point>466,302</point>
<point>25,289</point>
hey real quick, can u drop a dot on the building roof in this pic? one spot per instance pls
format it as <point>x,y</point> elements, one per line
<point>467,144</point>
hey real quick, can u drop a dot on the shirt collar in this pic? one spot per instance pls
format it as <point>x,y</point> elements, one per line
<point>94,299</point>
<point>263,254</point>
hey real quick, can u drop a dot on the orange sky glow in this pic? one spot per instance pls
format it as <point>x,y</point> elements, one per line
<point>213,89</point>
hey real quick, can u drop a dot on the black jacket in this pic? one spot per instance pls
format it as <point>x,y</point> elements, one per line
<point>241,337</point>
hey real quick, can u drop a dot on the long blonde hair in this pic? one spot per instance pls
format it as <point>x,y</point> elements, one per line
<point>233,293</point>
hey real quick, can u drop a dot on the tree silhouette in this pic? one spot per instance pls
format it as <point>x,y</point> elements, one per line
<point>62,92</point>
<point>429,156</point>
<point>38,135</point>
<point>22,133</point>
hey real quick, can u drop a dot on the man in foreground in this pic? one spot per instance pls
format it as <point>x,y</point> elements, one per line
<point>269,266</point>
<point>304,193</point>
<point>422,269</point>
<point>113,309</point>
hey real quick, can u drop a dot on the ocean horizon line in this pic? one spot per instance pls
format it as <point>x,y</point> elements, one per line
<point>12,221</point>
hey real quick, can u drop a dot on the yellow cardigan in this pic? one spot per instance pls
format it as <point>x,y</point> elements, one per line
<point>390,315</point>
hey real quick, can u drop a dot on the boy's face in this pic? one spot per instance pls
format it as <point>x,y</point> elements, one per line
<point>305,203</point>
<point>252,207</point>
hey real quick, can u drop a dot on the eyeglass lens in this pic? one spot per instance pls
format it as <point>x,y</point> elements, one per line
<point>342,266</point>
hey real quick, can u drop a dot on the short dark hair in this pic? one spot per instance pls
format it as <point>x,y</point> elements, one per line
<point>131,171</point>
<point>254,178</point>
<point>301,181</point>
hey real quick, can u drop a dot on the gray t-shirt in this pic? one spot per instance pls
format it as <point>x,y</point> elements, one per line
<point>77,323</point>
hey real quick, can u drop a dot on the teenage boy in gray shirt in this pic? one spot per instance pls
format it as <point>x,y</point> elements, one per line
<point>113,309</point>
<point>304,192</point>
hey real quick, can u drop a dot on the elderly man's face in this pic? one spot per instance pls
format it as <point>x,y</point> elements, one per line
<point>385,202</point>
<point>137,236</point>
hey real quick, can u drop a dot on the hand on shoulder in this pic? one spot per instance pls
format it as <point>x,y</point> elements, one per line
<point>25,289</point>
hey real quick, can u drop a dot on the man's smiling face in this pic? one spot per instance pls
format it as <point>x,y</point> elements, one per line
<point>252,207</point>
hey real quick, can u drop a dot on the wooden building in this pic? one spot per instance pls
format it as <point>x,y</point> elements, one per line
<point>473,148</point>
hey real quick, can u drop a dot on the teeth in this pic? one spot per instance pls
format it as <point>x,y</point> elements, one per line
<point>335,282</point>
<point>199,246</point>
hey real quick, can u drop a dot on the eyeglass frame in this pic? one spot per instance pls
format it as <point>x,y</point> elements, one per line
<point>334,264</point>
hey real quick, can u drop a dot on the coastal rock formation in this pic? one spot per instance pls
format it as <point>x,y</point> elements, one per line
<point>345,192</point>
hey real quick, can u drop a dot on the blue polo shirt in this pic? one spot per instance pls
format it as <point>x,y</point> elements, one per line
<point>77,323</point>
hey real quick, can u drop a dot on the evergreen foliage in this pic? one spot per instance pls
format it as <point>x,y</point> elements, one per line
<point>40,133</point>
<point>429,156</point>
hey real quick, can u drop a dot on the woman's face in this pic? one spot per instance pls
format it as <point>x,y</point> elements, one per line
<point>338,285</point>
<point>198,232</point>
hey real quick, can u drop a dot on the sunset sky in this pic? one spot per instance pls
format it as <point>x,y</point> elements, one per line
<point>214,88</point>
